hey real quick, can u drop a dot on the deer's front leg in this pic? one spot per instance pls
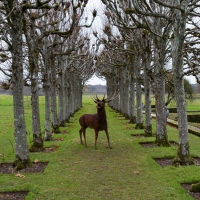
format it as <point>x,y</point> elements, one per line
<point>96,137</point>
<point>108,138</point>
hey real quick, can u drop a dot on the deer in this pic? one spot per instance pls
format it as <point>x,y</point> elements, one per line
<point>98,121</point>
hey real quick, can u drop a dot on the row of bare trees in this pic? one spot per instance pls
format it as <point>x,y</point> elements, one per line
<point>41,47</point>
<point>152,40</point>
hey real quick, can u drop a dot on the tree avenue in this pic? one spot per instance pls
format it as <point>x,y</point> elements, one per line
<point>145,47</point>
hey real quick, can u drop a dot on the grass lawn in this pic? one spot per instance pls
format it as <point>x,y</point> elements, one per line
<point>74,172</point>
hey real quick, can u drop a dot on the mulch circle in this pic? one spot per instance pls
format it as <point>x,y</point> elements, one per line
<point>7,168</point>
<point>152,144</point>
<point>164,162</point>
<point>21,195</point>
<point>187,186</point>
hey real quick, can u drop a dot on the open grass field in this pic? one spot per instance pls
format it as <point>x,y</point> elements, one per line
<point>126,172</point>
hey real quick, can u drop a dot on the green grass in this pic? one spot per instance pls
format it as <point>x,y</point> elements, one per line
<point>74,172</point>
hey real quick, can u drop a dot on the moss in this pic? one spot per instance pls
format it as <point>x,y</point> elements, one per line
<point>48,138</point>
<point>3,55</point>
<point>19,164</point>
<point>195,187</point>
<point>63,123</point>
<point>145,32</point>
<point>182,159</point>
<point>132,120</point>
<point>162,142</point>
<point>126,116</point>
<point>129,11</point>
<point>139,126</point>
<point>55,129</point>
<point>37,144</point>
<point>155,41</point>
<point>36,149</point>
<point>148,131</point>
<point>31,67</point>
<point>67,120</point>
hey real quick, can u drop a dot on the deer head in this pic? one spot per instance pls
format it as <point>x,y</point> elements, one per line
<point>102,102</point>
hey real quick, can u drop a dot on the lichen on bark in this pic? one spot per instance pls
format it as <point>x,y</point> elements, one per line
<point>148,131</point>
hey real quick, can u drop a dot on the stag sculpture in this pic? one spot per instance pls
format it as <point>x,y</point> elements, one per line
<point>98,121</point>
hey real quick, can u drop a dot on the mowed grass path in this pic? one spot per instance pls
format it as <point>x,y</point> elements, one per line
<point>127,171</point>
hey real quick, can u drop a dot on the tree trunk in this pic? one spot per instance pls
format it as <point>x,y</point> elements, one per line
<point>61,96</point>
<point>55,124</point>
<point>147,86</point>
<point>139,116</point>
<point>179,23</point>
<point>33,68</point>
<point>132,113</point>
<point>47,90</point>
<point>22,159</point>
<point>159,90</point>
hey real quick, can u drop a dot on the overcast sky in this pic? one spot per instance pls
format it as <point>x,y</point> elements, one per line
<point>96,81</point>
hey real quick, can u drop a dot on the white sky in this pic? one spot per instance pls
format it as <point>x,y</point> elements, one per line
<point>96,81</point>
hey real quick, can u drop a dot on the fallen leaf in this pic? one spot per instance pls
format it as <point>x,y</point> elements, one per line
<point>136,172</point>
<point>20,175</point>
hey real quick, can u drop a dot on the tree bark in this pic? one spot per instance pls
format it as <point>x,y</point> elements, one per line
<point>179,23</point>
<point>55,124</point>
<point>22,159</point>
<point>47,90</point>
<point>147,91</point>
<point>132,113</point>
<point>159,90</point>
<point>33,69</point>
<point>139,116</point>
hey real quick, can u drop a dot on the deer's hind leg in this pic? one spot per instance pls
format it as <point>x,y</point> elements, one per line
<point>84,135</point>
<point>80,133</point>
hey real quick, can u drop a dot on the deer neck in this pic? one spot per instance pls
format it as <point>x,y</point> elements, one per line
<point>101,114</point>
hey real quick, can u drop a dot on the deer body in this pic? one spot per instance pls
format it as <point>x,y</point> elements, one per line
<point>98,122</point>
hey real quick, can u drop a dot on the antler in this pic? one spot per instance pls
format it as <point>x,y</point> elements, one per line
<point>112,98</point>
<point>95,99</point>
